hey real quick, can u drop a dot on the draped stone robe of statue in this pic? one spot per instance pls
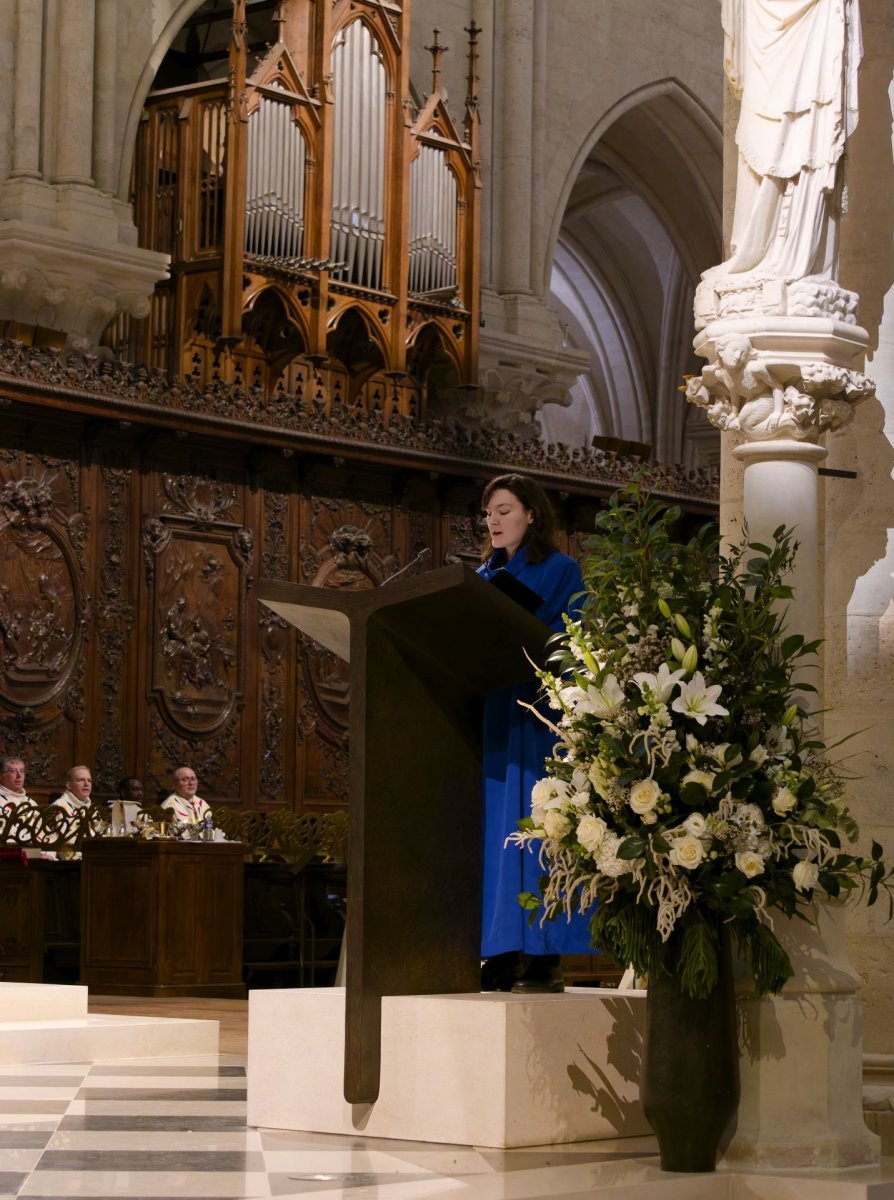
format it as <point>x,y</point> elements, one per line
<point>794,64</point>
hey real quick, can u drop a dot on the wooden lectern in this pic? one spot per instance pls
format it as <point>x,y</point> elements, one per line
<point>422,652</point>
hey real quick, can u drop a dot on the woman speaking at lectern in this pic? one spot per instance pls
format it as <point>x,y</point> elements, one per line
<point>522,560</point>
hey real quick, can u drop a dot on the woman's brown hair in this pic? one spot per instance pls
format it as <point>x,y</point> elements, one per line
<point>540,540</point>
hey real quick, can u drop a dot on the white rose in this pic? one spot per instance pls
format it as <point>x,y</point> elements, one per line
<point>591,832</point>
<point>805,875</point>
<point>705,778</point>
<point>696,824</point>
<point>784,800</point>
<point>687,852</point>
<point>749,863</point>
<point>607,860</point>
<point>692,743</point>
<point>644,796</point>
<point>541,792</point>
<point>719,753</point>
<point>555,823</point>
<point>758,755</point>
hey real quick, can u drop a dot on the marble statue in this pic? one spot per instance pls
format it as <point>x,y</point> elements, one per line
<point>794,65</point>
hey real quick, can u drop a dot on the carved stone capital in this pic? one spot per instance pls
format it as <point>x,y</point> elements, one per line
<point>788,378</point>
<point>67,262</point>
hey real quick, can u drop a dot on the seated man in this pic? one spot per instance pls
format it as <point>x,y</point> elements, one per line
<point>14,800</point>
<point>78,786</point>
<point>187,807</point>
<point>130,794</point>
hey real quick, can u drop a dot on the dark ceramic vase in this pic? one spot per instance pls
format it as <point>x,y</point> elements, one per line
<point>690,1072</point>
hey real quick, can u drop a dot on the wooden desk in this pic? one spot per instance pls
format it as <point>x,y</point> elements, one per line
<point>162,918</point>
<point>39,920</point>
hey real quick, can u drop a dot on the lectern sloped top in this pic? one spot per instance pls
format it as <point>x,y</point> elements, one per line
<point>451,614</point>
<point>423,651</point>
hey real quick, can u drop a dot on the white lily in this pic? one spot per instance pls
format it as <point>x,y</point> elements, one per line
<point>602,701</point>
<point>698,700</point>
<point>658,686</point>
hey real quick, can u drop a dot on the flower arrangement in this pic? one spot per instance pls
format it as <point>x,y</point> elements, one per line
<point>687,792</point>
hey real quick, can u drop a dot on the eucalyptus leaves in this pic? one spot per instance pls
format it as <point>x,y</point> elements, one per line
<point>687,793</point>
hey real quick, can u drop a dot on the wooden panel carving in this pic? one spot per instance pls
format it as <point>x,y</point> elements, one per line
<point>114,617</point>
<point>198,557</point>
<point>348,545</point>
<point>43,608</point>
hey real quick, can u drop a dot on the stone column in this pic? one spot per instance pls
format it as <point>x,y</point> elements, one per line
<point>26,122</point>
<point>514,29</point>
<point>105,163</point>
<point>74,92</point>
<point>785,357</point>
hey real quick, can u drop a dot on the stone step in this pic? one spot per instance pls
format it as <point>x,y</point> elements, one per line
<point>42,1002</point>
<point>46,1023</point>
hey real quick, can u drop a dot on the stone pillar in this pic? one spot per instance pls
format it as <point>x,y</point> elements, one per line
<point>785,358</point>
<point>514,28</point>
<point>73,85</point>
<point>801,1079</point>
<point>26,123</point>
<point>781,380</point>
<point>105,163</point>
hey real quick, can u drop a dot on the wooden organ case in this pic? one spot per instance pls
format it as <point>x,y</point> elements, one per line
<point>323,230</point>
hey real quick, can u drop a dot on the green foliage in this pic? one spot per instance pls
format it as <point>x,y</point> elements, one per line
<point>689,791</point>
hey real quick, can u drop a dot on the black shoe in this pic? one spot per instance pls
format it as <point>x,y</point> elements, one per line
<point>541,973</point>
<point>499,973</point>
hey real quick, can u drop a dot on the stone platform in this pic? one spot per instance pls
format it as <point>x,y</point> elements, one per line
<point>487,1069</point>
<point>49,1023</point>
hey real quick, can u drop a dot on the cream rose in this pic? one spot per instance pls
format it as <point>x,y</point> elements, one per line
<point>542,792</point>
<point>805,875</point>
<point>555,823</point>
<point>784,800</point>
<point>687,852</point>
<point>644,796</point>
<point>591,832</point>
<point>705,778</point>
<point>696,824</point>
<point>749,863</point>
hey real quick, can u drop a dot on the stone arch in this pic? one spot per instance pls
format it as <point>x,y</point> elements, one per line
<point>639,220</point>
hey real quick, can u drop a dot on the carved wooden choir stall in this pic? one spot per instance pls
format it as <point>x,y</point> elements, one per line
<point>284,411</point>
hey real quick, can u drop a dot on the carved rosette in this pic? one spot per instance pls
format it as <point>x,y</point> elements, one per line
<point>795,380</point>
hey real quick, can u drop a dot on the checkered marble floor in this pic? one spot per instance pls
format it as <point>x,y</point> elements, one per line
<point>176,1128</point>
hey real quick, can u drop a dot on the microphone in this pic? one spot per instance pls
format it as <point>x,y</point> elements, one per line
<point>423,556</point>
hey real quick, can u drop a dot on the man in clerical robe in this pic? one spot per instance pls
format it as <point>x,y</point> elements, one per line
<point>14,800</point>
<point>186,806</point>
<point>78,786</point>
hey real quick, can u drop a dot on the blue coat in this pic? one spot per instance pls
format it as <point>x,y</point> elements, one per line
<point>516,747</point>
